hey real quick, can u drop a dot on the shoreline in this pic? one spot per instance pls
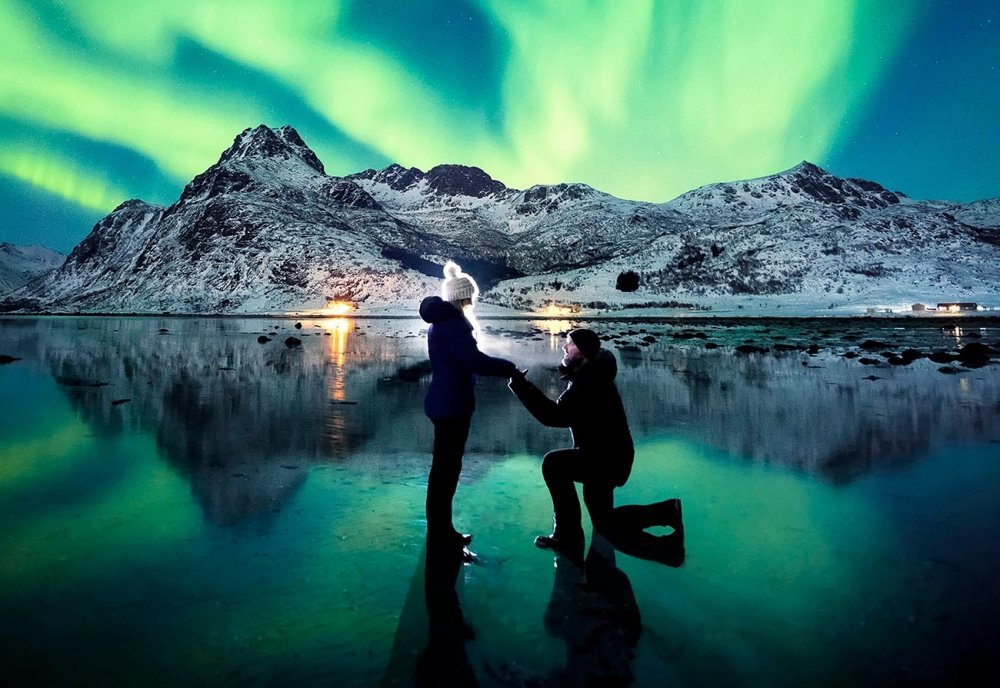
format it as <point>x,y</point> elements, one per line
<point>990,318</point>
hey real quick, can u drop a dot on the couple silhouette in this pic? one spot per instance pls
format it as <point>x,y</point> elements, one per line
<point>602,453</point>
<point>592,608</point>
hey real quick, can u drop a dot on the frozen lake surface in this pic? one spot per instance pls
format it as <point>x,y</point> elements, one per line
<point>182,505</point>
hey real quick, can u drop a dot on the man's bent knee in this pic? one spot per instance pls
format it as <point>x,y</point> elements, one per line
<point>548,467</point>
<point>554,465</point>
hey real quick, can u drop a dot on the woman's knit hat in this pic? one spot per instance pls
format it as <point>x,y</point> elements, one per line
<point>457,285</point>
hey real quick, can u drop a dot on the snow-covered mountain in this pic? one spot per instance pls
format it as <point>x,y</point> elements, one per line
<point>266,230</point>
<point>21,264</point>
<point>263,230</point>
<point>806,238</point>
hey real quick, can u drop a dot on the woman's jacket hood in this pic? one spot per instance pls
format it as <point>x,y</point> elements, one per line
<point>455,360</point>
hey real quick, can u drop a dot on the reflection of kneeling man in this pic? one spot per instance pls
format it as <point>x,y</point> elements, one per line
<point>602,453</point>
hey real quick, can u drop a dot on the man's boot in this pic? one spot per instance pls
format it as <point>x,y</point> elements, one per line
<point>668,513</point>
<point>563,542</point>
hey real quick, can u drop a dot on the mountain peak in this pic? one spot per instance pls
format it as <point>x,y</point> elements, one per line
<point>822,186</point>
<point>265,142</point>
<point>459,180</point>
<point>445,180</point>
<point>395,176</point>
<point>806,168</point>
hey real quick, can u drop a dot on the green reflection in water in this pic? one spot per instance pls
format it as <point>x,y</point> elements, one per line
<point>107,555</point>
<point>770,561</point>
<point>78,506</point>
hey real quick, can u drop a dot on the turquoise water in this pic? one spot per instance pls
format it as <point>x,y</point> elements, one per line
<point>254,514</point>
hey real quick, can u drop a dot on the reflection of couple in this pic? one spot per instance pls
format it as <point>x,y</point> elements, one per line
<point>602,452</point>
<point>592,609</point>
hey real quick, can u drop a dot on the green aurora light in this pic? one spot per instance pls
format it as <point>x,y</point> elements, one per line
<point>642,99</point>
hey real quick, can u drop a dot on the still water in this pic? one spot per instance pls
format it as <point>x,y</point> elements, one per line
<point>180,504</point>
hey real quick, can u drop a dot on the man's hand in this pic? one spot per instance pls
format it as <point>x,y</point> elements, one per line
<point>517,377</point>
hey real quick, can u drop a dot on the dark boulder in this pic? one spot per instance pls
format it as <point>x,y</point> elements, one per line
<point>942,357</point>
<point>975,355</point>
<point>293,342</point>
<point>70,381</point>
<point>689,334</point>
<point>873,345</point>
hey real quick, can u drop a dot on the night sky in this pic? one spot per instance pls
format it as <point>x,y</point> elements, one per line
<point>103,100</point>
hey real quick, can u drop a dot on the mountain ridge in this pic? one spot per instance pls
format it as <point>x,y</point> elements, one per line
<point>266,230</point>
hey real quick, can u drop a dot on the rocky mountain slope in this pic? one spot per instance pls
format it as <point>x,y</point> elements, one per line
<point>807,237</point>
<point>21,264</point>
<point>266,230</point>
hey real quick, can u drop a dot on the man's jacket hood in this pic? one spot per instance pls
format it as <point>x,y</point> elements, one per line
<point>434,309</point>
<point>592,409</point>
<point>601,368</point>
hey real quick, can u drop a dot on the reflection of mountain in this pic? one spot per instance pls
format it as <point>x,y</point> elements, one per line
<point>828,420</point>
<point>243,419</point>
<point>246,420</point>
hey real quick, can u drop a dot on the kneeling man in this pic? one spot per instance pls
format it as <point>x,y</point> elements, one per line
<point>602,453</point>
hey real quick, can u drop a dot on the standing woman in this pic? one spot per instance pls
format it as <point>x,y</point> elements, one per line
<point>450,401</point>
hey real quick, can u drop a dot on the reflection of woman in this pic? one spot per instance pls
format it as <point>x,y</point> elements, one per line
<point>450,401</point>
<point>445,662</point>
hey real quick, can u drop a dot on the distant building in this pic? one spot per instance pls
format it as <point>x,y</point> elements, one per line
<point>918,307</point>
<point>958,306</point>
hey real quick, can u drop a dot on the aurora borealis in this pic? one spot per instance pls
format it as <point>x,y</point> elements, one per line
<point>102,102</point>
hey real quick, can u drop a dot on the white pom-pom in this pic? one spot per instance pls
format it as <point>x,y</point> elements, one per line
<point>451,270</point>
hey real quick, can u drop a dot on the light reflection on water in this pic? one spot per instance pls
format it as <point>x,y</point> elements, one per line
<point>254,512</point>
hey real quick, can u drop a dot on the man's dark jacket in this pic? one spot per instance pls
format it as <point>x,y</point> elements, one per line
<point>592,409</point>
<point>455,360</point>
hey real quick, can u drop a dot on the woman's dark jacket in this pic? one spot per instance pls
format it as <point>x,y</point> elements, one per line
<point>592,409</point>
<point>455,360</point>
